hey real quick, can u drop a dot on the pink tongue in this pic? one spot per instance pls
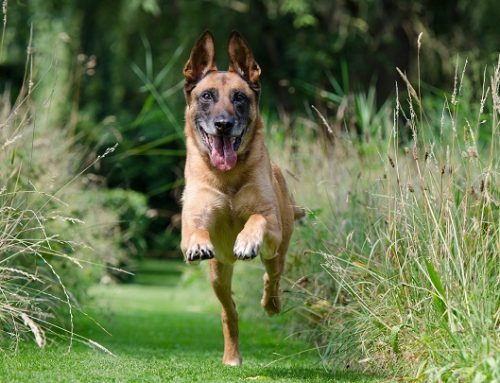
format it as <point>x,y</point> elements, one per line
<point>223,156</point>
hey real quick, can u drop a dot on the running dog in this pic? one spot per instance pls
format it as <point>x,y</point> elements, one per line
<point>235,203</point>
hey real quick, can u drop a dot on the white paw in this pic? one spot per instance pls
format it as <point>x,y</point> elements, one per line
<point>247,246</point>
<point>199,252</point>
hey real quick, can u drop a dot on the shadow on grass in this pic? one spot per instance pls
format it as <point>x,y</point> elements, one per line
<point>153,272</point>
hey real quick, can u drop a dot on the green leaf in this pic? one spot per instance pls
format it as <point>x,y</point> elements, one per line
<point>438,286</point>
<point>13,156</point>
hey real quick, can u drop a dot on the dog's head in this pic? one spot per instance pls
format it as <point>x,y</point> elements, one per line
<point>222,106</point>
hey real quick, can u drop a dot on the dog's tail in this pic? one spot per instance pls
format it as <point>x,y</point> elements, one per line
<point>298,212</point>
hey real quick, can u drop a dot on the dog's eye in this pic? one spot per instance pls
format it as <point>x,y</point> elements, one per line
<point>239,97</point>
<point>206,96</point>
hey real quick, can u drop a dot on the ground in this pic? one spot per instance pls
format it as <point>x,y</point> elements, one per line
<point>163,330</point>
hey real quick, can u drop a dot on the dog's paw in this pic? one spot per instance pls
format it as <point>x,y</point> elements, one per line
<point>199,252</point>
<point>247,246</point>
<point>271,297</point>
<point>271,304</point>
<point>232,360</point>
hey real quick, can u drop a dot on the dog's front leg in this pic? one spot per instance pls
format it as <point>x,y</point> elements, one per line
<point>196,220</point>
<point>261,232</point>
<point>264,231</point>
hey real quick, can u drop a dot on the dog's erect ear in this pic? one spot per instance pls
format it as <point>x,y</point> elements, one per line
<point>201,61</point>
<point>241,61</point>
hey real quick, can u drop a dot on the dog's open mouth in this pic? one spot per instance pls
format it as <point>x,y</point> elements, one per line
<point>222,150</point>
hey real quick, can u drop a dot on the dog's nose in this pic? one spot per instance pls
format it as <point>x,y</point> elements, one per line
<point>224,124</point>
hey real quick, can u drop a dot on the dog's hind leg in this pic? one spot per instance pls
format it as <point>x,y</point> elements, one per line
<point>270,298</point>
<point>274,268</point>
<point>221,276</point>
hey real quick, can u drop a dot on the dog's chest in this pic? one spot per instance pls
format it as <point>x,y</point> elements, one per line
<point>228,221</point>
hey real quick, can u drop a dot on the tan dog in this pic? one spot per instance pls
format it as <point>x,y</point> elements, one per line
<point>235,203</point>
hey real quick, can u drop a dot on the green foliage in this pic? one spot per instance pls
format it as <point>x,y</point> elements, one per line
<point>131,209</point>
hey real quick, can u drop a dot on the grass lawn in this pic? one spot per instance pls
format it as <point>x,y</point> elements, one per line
<point>165,333</point>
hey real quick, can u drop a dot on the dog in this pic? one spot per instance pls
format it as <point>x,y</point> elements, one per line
<point>235,202</point>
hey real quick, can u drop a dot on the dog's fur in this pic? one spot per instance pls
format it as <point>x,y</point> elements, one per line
<point>235,204</point>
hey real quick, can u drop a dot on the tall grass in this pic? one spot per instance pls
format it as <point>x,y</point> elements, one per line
<point>54,238</point>
<point>45,252</point>
<point>400,268</point>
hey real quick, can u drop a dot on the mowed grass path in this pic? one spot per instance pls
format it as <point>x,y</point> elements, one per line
<point>165,332</point>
